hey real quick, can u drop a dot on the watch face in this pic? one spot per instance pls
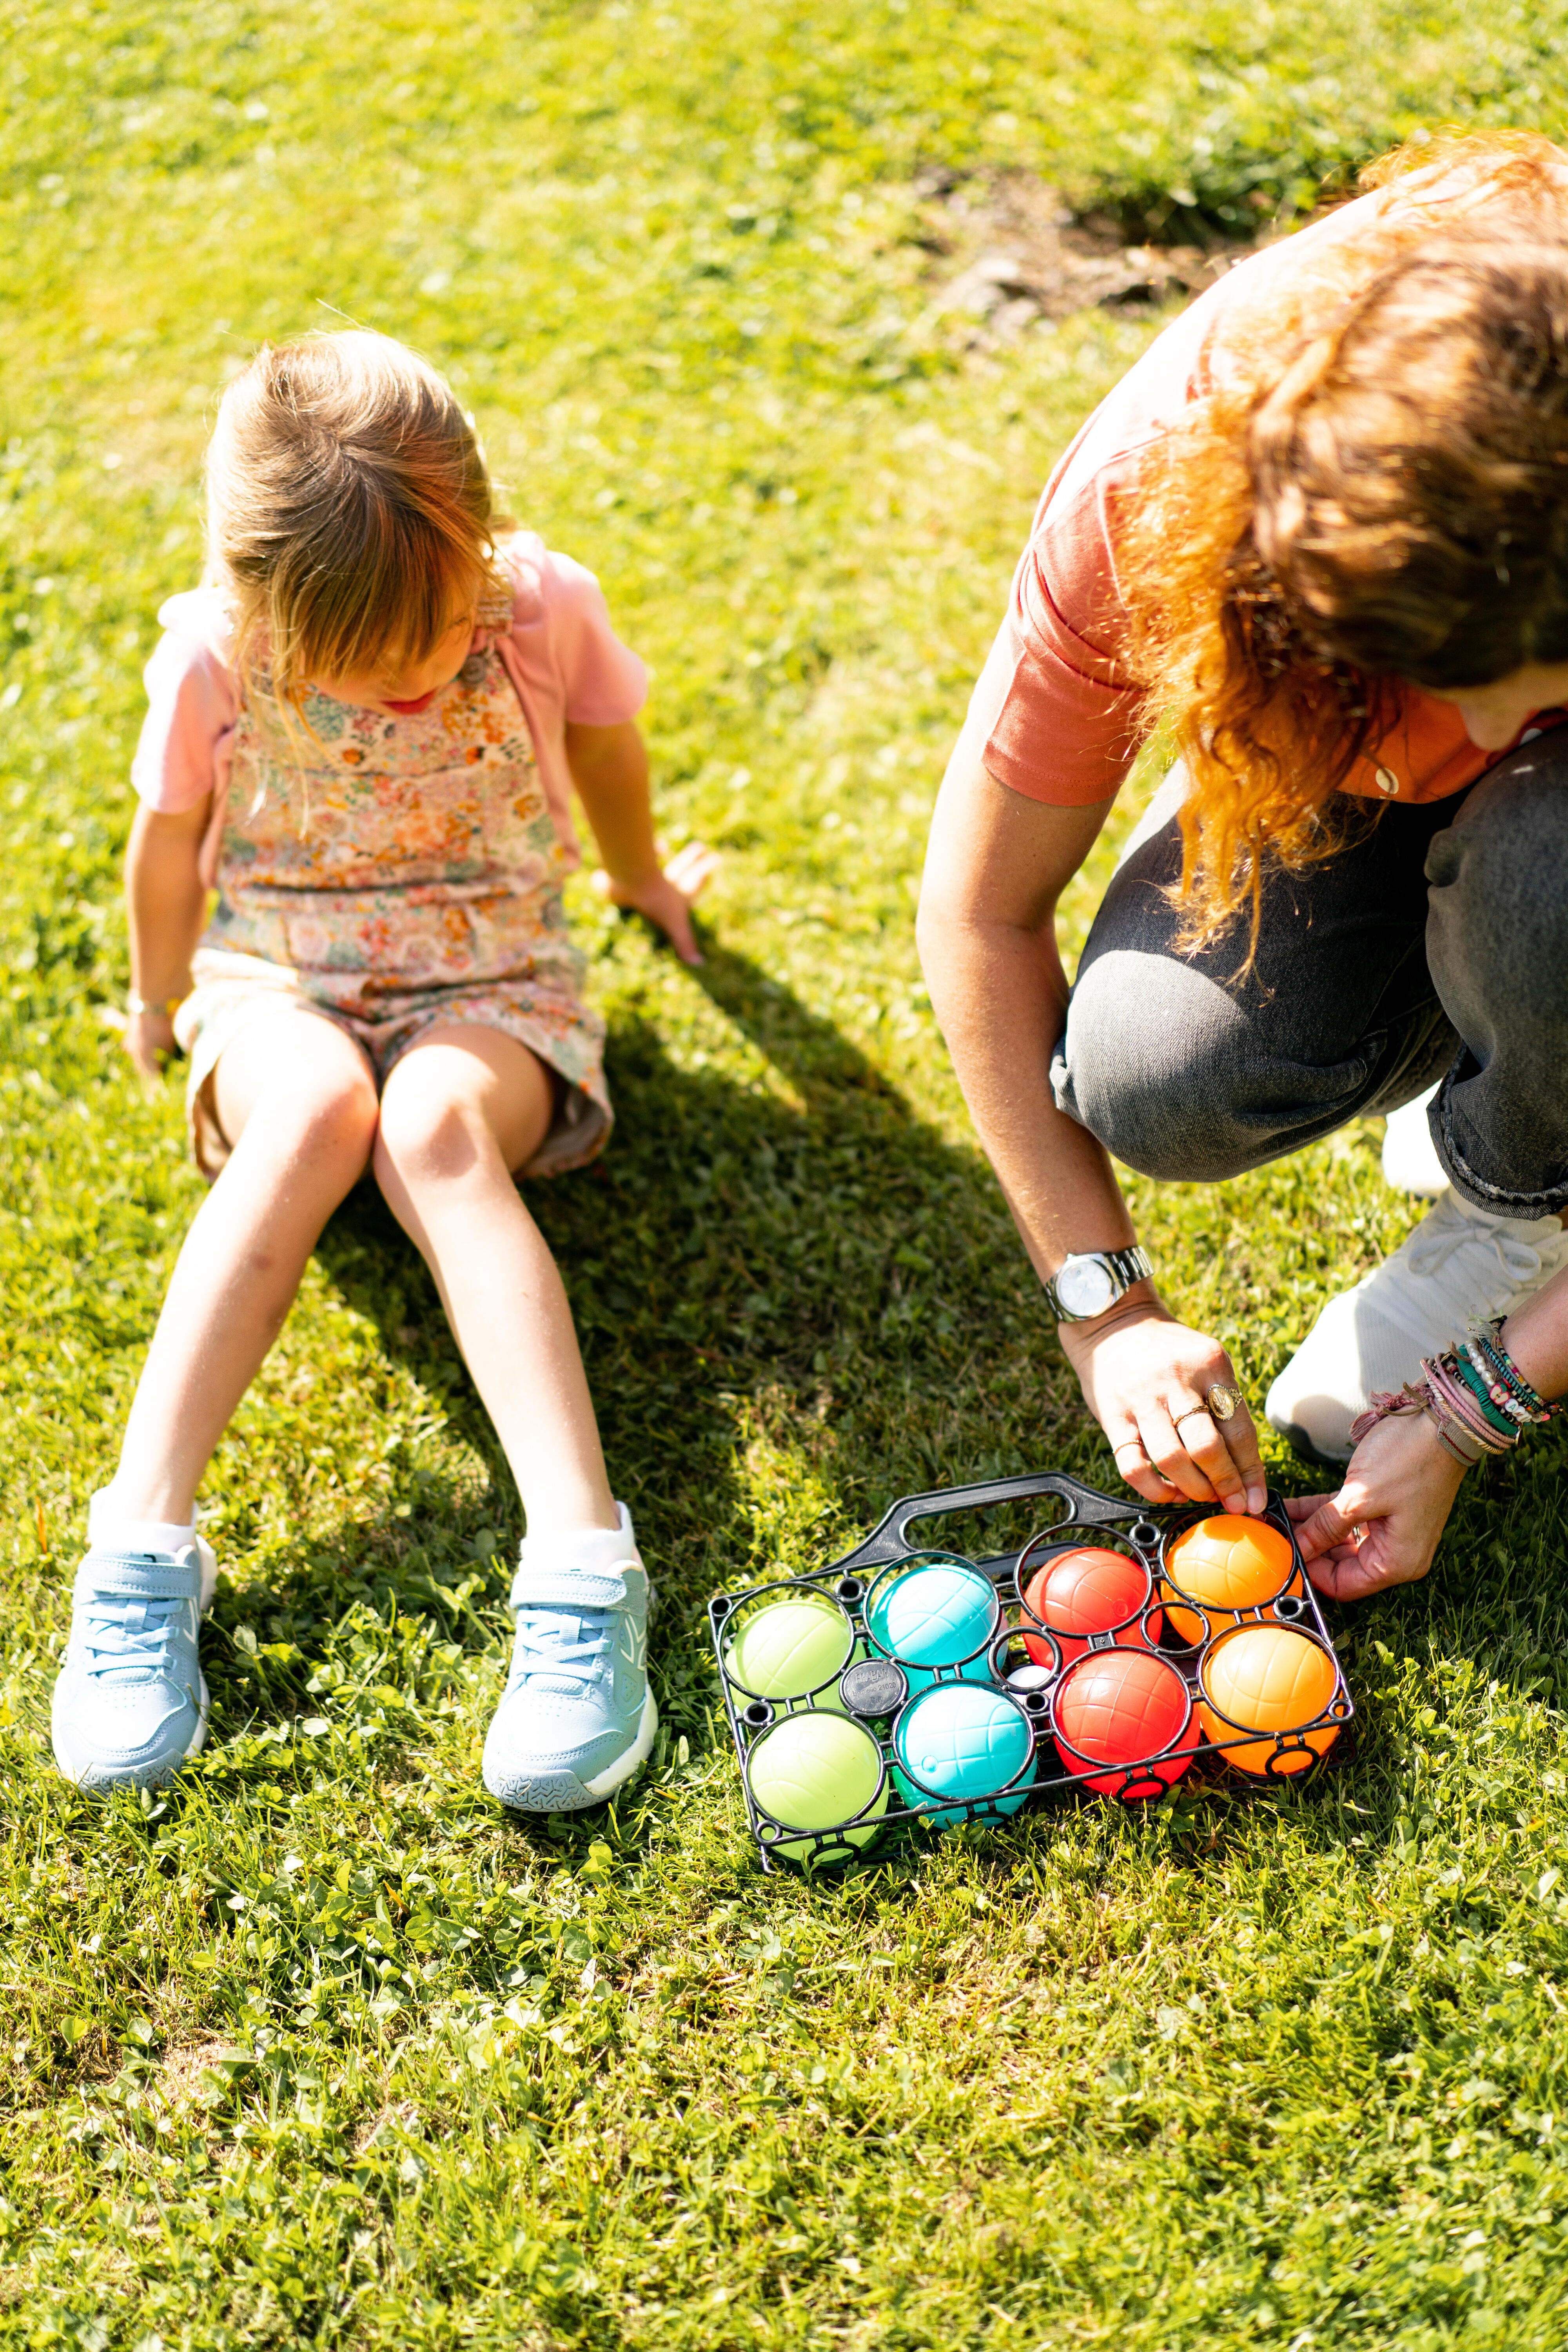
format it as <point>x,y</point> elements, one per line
<point>1085,1286</point>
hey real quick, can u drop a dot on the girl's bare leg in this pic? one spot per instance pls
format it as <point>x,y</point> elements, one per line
<point>296,1098</point>
<point>462,1110</point>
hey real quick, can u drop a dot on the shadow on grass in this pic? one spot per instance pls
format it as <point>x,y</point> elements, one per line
<point>801,1290</point>
<point>809,1267</point>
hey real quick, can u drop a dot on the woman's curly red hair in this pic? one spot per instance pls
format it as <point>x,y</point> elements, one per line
<point>1372,491</point>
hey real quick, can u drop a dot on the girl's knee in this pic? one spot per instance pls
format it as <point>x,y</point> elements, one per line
<point>428,1130</point>
<point>445,1113</point>
<point>335,1115</point>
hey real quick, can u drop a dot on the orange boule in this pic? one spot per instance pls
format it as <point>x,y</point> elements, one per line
<point>1225,1564</point>
<point>1272,1678</point>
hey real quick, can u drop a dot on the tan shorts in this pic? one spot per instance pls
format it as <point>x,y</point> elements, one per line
<point>232,989</point>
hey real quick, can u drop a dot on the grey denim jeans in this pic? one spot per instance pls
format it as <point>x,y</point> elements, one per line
<point>1436,947</point>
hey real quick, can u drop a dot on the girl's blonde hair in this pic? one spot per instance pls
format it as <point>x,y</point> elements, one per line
<point>350,517</point>
<point>1374,489</point>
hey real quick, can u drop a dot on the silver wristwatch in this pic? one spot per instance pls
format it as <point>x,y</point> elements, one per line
<point>1090,1281</point>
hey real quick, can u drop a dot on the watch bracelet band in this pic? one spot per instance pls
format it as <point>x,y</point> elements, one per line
<point>168,1006</point>
<point>1129,1266</point>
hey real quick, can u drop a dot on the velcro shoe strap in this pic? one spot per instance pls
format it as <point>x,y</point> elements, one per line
<point>569,1587</point>
<point>140,1575</point>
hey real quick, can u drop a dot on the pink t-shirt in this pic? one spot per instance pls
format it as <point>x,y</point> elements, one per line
<point>1053,715</point>
<point>560,652</point>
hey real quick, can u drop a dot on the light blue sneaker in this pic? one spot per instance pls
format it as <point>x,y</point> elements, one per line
<point>130,1701</point>
<point>576,1717</point>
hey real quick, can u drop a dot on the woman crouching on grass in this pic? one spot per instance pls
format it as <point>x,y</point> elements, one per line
<point>364,730</point>
<point>1319,532</point>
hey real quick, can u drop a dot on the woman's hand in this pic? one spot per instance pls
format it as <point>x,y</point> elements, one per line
<point>666,895</point>
<point>1143,1373</point>
<point>1383,1525</point>
<point>148,1037</point>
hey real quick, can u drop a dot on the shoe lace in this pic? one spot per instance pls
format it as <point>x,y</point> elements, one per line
<point>565,1646</point>
<point>128,1635</point>
<point>1441,1238</point>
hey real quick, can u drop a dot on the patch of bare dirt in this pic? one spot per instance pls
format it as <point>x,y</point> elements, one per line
<point>1006,251</point>
<point>179,2078</point>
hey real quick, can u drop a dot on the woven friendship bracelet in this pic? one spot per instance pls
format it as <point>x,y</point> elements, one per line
<point>1474,1395</point>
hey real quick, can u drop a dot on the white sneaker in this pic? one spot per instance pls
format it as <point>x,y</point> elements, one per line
<point>1460,1265</point>
<point>1410,1162</point>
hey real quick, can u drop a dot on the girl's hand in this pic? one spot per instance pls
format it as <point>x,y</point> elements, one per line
<point>1383,1525</point>
<point>668,895</point>
<point>148,1037</point>
<point>1141,1372</point>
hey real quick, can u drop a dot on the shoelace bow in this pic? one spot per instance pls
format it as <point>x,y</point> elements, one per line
<point>128,1632</point>
<point>544,1645</point>
<point>1518,1259</point>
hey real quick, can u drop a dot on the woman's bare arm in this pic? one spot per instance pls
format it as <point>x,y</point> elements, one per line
<point>996,867</point>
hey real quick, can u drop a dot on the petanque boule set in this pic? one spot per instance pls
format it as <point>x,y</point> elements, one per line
<point>907,1685</point>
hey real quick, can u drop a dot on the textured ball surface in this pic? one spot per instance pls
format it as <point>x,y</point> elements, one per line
<point>792,1646</point>
<point>1226,1563</point>
<point>814,1771</point>
<point>1089,1589</point>
<point>933,1614</point>
<point>1116,1706</point>
<point>960,1739</point>
<point>1268,1678</point>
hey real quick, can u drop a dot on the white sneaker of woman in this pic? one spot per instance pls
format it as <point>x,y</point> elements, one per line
<point>1460,1265</point>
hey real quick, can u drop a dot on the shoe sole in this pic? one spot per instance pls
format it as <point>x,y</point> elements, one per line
<point>153,1778</point>
<point>1296,1437</point>
<point>564,1792</point>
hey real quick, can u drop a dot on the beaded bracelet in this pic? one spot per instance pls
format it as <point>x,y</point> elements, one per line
<point>1474,1395</point>
<point>1489,1338</point>
<point>1501,1409</point>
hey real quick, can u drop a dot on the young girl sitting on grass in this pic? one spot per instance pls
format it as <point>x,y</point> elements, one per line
<point>364,729</point>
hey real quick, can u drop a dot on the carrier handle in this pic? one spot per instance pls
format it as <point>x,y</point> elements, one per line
<point>890,1539</point>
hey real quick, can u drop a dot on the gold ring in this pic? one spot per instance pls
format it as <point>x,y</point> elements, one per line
<point>1177,1418</point>
<point>1223,1403</point>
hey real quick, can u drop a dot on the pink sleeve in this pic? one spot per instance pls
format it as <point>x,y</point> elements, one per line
<point>567,664</point>
<point>603,681</point>
<point>187,734</point>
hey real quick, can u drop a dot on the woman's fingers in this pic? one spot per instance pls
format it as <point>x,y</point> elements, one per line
<point>1321,1524</point>
<point>1345,1576</point>
<point>1134,1463</point>
<point>1240,1435</point>
<point>1213,1452</point>
<point>1172,1457</point>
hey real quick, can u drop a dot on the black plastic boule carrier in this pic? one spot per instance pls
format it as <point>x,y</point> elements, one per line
<point>1022,1660</point>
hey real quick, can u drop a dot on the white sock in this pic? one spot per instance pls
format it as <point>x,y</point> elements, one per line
<point>582,1549</point>
<point>111,1529</point>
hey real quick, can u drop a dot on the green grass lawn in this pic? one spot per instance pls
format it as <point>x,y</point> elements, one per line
<point>319,2047</point>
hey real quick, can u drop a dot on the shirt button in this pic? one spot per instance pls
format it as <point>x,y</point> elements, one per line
<point>1387,782</point>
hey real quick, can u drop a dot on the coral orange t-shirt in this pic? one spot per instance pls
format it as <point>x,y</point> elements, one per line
<point>1053,715</point>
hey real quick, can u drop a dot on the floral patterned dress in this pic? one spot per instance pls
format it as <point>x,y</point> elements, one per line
<point>396,873</point>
